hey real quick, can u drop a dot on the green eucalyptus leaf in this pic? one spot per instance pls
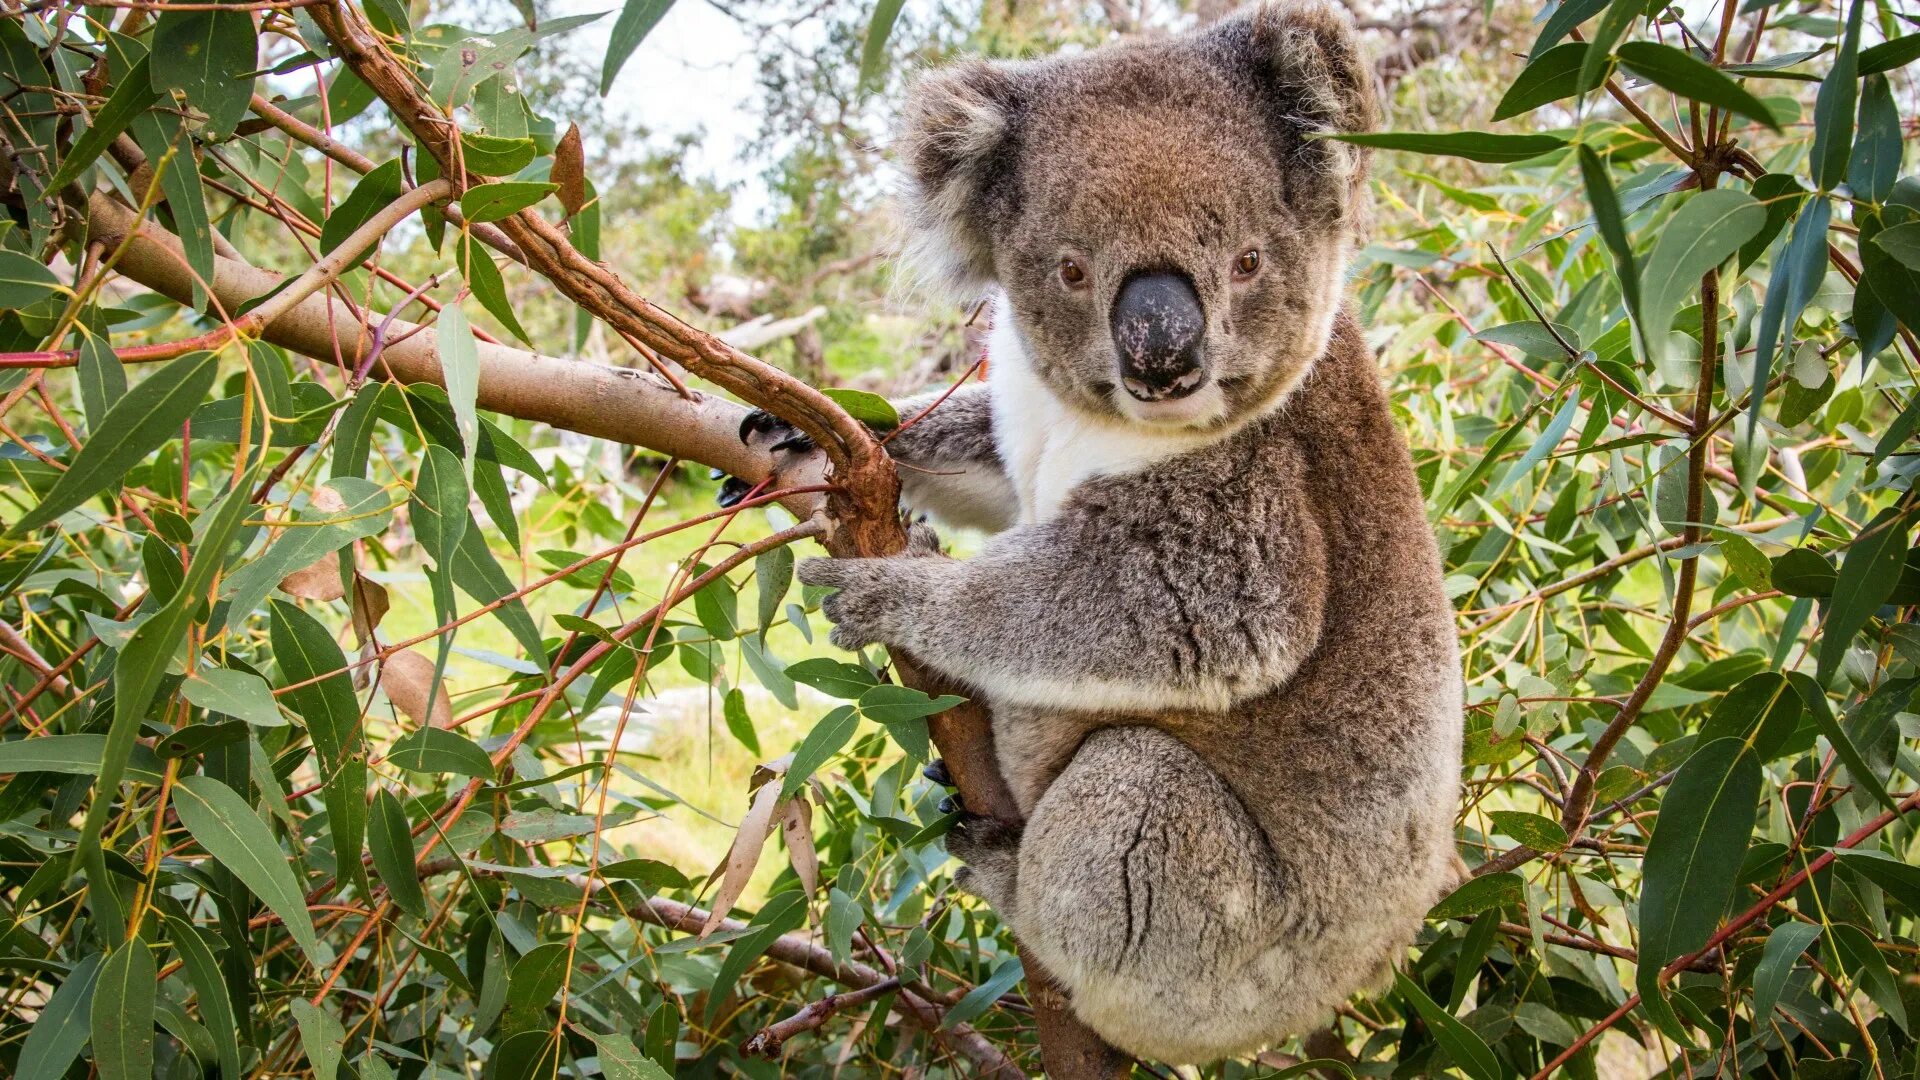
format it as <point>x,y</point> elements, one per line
<point>137,425</point>
<point>1676,70</point>
<point>1478,146</point>
<point>434,750</point>
<point>209,57</point>
<point>390,840</point>
<point>227,828</point>
<point>491,202</point>
<point>1467,1049</point>
<point>637,20</point>
<point>122,1010</point>
<point>64,1024</point>
<point>1694,857</point>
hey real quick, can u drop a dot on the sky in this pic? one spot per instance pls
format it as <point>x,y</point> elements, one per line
<point>695,72</point>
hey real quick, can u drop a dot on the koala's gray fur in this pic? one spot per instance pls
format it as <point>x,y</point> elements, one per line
<point>1219,657</point>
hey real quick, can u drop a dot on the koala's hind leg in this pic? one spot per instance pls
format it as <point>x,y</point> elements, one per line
<point>1148,889</point>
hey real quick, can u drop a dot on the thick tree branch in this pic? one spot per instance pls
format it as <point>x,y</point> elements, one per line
<point>622,404</point>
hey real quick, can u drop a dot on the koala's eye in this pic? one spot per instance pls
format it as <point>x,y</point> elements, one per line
<point>1247,264</point>
<point>1071,273</point>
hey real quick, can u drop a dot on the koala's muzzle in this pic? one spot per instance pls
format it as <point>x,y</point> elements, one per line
<point>1158,328</point>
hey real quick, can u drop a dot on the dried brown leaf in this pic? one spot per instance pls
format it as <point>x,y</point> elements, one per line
<point>320,581</point>
<point>570,171</point>
<point>744,855</point>
<point>406,677</point>
<point>796,827</point>
<point>370,605</point>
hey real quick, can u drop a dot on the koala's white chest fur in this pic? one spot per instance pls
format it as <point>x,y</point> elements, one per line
<point>1048,448</point>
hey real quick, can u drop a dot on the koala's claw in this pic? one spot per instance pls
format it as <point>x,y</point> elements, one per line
<point>733,491</point>
<point>936,771</point>
<point>760,422</point>
<point>952,804</point>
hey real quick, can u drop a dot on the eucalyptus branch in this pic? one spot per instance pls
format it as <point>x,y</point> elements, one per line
<point>768,1040</point>
<point>593,399</point>
<point>1732,928</point>
<point>1580,797</point>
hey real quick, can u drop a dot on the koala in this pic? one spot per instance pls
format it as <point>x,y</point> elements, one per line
<point>1210,623</point>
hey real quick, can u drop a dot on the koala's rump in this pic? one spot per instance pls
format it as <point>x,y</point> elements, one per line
<point>1189,925</point>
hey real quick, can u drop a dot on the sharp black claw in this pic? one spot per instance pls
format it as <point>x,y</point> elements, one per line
<point>733,492</point>
<point>952,805</point>
<point>757,421</point>
<point>800,444</point>
<point>936,771</point>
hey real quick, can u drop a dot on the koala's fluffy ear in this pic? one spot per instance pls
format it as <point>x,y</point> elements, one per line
<point>954,142</point>
<point>1312,56</point>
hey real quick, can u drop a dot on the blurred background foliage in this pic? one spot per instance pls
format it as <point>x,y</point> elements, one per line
<point>1685,589</point>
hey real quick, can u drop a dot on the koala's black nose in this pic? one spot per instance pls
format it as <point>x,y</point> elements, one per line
<point>1158,327</point>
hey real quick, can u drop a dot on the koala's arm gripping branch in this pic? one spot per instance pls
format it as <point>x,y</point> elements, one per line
<point>1098,609</point>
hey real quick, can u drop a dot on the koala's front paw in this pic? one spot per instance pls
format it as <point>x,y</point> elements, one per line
<point>873,601</point>
<point>786,444</point>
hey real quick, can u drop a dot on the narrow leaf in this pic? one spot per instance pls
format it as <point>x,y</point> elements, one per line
<point>389,837</point>
<point>238,694</point>
<point>1783,949</point>
<point>322,693</point>
<point>227,828</point>
<point>204,975</point>
<point>873,51</point>
<point>1703,234</point>
<point>1867,578</point>
<point>434,750</point>
<point>821,744</point>
<point>1676,70</point>
<point>1467,1049</point>
<point>123,1013</point>
<point>64,1024</point>
<point>1549,77</point>
<point>1694,857</point>
<point>1473,145</point>
<point>137,425</point>
<point>1833,107</point>
<point>321,1036</point>
<point>491,202</point>
<point>783,912</point>
<point>131,97</point>
<point>207,56</point>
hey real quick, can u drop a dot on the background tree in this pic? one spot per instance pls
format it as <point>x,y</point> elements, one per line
<point>360,714</point>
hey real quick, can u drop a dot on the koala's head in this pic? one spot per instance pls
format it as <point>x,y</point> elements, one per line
<point>1172,237</point>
